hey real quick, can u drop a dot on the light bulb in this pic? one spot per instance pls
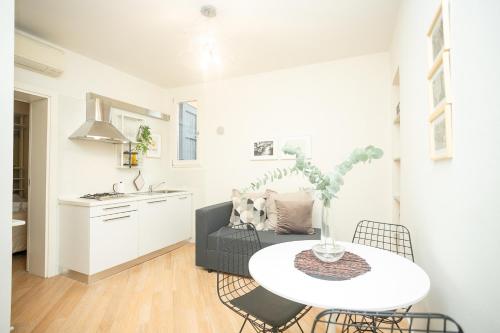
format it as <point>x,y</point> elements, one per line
<point>209,54</point>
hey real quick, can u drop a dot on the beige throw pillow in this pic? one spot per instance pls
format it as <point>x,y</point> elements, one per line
<point>294,217</point>
<point>248,208</point>
<point>272,196</point>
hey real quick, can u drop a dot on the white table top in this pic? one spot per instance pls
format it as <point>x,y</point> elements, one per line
<point>393,282</point>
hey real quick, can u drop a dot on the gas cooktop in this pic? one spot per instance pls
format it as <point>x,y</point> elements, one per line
<point>104,196</point>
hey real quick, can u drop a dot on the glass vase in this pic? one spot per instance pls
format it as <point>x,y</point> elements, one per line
<point>327,250</point>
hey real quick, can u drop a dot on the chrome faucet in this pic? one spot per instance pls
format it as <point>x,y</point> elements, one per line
<point>152,187</point>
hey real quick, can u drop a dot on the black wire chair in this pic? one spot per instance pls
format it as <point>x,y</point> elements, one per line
<point>355,321</point>
<point>265,311</point>
<point>391,237</point>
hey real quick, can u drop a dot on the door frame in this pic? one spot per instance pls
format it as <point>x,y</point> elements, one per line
<point>51,262</point>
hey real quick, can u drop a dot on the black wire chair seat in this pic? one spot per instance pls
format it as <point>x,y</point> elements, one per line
<point>345,321</point>
<point>265,311</point>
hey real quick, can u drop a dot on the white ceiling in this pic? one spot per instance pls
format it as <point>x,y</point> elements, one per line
<point>160,40</point>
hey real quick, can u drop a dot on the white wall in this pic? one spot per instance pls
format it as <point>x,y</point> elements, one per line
<point>341,105</point>
<point>6,119</point>
<point>452,207</point>
<point>87,167</point>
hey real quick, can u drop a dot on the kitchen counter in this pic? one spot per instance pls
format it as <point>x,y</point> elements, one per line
<point>131,197</point>
<point>99,238</point>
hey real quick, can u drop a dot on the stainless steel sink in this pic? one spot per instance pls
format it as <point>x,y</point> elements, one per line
<point>157,192</point>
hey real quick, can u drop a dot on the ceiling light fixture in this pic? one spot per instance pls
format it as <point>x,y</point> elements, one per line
<point>209,53</point>
<point>208,11</point>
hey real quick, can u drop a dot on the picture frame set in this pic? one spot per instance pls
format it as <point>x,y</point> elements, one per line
<point>440,133</point>
<point>439,84</point>
<point>272,148</point>
<point>264,149</point>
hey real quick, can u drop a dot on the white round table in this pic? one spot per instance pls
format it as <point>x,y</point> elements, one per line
<point>393,282</point>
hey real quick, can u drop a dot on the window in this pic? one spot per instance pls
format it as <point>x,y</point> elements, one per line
<point>187,148</point>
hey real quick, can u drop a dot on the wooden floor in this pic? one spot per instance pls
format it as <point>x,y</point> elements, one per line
<point>166,294</point>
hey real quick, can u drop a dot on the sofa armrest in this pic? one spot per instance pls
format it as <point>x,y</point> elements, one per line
<point>208,220</point>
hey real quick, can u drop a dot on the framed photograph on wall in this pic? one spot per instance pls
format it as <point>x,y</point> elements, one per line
<point>438,35</point>
<point>439,83</point>
<point>441,133</point>
<point>303,142</point>
<point>264,149</point>
<point>155,146</point>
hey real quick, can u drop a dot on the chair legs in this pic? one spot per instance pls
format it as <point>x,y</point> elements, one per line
<point>244,322</point>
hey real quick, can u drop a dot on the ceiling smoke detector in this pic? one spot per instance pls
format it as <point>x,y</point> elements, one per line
<point>208,11</point>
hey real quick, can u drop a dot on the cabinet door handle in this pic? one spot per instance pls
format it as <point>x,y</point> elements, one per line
<point>116,207</point>
<point>182,198</point>
<point>164,200</point>
<point>117,218</point>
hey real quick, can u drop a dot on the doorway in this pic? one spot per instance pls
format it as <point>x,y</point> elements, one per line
<point>29,186</point>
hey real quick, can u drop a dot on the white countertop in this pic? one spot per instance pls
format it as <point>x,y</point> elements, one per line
<point>75,201</point>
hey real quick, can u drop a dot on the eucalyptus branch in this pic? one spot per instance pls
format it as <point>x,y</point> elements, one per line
<point>270,176</point>
<point>328,185</point>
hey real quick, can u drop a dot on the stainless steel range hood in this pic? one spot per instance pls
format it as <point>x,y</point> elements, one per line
<point>98,125</point>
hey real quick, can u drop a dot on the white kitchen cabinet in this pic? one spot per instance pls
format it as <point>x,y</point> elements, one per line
<point>96,236</point>
<point>154,220</point>
<point>180,211</point>
<point>113,240</point>
<point>112,209</point>
<point>163,222</point>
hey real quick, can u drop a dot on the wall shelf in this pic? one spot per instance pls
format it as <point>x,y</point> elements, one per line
<point>20,156</point>
<point>129,125</point>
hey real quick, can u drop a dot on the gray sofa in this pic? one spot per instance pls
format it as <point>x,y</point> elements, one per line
<point>211,223</point>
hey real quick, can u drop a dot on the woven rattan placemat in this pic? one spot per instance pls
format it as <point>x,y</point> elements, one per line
<point>348,267</point>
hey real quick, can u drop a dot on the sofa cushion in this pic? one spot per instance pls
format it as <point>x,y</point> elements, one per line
<point>267,238</point>
<point>294,217</point>
<point>248,208</point>
<point>272,210</point>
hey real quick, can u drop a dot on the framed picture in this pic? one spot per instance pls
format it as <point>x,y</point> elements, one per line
<point>441,133</point>
<point>439,82</point>
<point>155,146</point>
<point>303,142</point>
<point>438,35</point>
<point>264,149</point>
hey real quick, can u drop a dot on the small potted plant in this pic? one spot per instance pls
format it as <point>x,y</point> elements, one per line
<point>143,142</point>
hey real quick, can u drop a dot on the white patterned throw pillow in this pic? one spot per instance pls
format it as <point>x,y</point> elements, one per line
<point>248,208</point>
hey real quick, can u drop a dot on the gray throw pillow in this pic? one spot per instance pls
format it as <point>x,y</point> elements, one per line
<point>272,196</point>
<point>294,217</point>
<point>248,208</point>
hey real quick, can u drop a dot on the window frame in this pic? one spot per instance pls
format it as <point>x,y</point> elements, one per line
<point>176,163</point>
